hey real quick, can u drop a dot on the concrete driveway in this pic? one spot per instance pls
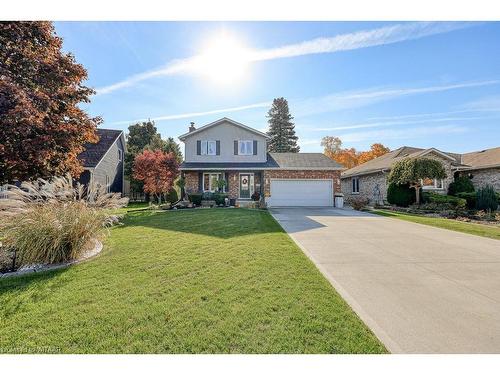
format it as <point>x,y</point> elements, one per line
<point>420,289</point>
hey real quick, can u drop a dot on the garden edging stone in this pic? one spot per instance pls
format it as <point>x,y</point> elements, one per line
<point>34,268</point>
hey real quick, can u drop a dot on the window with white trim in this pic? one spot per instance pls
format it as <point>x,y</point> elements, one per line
<point>432,183</point>
<point>210,182</point>
<point>245,147</point>
<point>355,185</point>
<point>208,147</point>
<point>120,155</point>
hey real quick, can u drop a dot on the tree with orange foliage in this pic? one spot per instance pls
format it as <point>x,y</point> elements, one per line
<point>376,150</point>
<point>157,170</point>
<point>349,157</point>
<point>43,128</point>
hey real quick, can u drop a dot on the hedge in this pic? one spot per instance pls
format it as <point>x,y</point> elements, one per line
<point>462,184</point>
<point>400,195</point>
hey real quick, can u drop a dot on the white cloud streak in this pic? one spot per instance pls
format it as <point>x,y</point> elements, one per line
<point>356,99</point>
<point>198,114</point>
<point>394,123</point>
<point>335,102</point>
<point>391,134</point>
<point>488,103</point>
<point>385,135</point>
<point>351,41</point>
<point>361,39</point>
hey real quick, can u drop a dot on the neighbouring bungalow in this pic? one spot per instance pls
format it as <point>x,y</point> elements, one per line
<point>369,180</point>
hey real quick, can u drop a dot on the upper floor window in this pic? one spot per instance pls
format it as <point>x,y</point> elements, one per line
<point>120,155</point>
<point>208,148</point>
<point>432,183</point>
<point>355,184</point>
<point>245,147</point>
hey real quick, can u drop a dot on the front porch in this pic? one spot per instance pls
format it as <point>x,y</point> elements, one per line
<point>240,185</point>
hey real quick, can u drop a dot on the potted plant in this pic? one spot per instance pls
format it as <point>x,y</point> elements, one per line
<point>221,183</point>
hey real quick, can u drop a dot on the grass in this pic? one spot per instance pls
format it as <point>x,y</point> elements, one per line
<point>187,281</point>
<point>459,226</point>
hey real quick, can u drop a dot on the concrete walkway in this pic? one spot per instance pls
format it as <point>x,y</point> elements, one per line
<point>420,289</point>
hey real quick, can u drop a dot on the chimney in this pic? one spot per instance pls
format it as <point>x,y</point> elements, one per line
<point>191,127</point>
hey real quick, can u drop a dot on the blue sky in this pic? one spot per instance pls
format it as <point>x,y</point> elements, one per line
<point>419,84</point>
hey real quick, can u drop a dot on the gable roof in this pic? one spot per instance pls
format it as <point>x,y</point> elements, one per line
<point>220,121</point>
<point>482,159</point>
<point>94,152</point>
<point>386,161</point>
<point>286,161</point>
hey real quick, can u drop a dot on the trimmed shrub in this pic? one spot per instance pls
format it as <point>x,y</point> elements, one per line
<point>358,203</point>
<point>486,199</point>
<point>220,198</point>
<point>450,200</point>
<point>195,198</point>
<point>462,184</point>
<point>172,196</point>
<point>400,195</point>
<point>470,198</point>
<point>207,196</point>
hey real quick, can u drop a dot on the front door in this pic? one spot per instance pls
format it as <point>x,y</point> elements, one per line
<point>245,186</point>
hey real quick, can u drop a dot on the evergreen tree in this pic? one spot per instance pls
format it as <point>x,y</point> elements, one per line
<point>281,128</point>
<point>172,146</point>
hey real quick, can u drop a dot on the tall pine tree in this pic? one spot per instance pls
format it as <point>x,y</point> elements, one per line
<point>281,128</point>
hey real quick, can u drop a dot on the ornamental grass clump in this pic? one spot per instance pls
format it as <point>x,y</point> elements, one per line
<point>57,221</point>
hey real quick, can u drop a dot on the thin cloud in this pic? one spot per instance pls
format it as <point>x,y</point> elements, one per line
<point>351,41</point>
<point>394,123</point>
<point>333,102</point>
<point>486,104</point>
<point>198,114</point>
<point>356,99</point>
<point>391,134</point>
<point>361,39</point>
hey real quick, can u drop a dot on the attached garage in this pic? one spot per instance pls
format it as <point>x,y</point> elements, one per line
<point>301,192</point>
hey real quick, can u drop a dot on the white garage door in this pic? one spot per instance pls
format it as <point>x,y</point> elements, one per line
<point>309,193</point>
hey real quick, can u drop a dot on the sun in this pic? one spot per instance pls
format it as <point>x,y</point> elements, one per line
<point>223,60</point>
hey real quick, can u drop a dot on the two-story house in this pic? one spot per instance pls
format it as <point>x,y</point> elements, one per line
<point>228,150</point>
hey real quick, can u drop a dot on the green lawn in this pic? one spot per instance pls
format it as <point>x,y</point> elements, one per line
<point>459,226</point>
<point>193,281</point>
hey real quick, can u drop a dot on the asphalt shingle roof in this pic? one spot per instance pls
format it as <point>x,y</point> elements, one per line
<point>386,161</point>
<point>472,160</point>
<point>303,160</point>
<point>483,158</point>
<point>95,151</point>
<point>287,160</point>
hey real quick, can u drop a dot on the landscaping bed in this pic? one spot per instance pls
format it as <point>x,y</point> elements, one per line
<point>484,229</point>
<point>185,281</point>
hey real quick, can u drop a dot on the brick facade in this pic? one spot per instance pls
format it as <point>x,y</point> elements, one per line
<point>262,184</point>
<point>372,186</point>
<point>232,179</point>
<point>300,174</point>
<point>482,177</point>
<point>191,182</point>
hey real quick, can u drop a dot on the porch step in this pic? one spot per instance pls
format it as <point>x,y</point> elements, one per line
<point>245,203</point>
